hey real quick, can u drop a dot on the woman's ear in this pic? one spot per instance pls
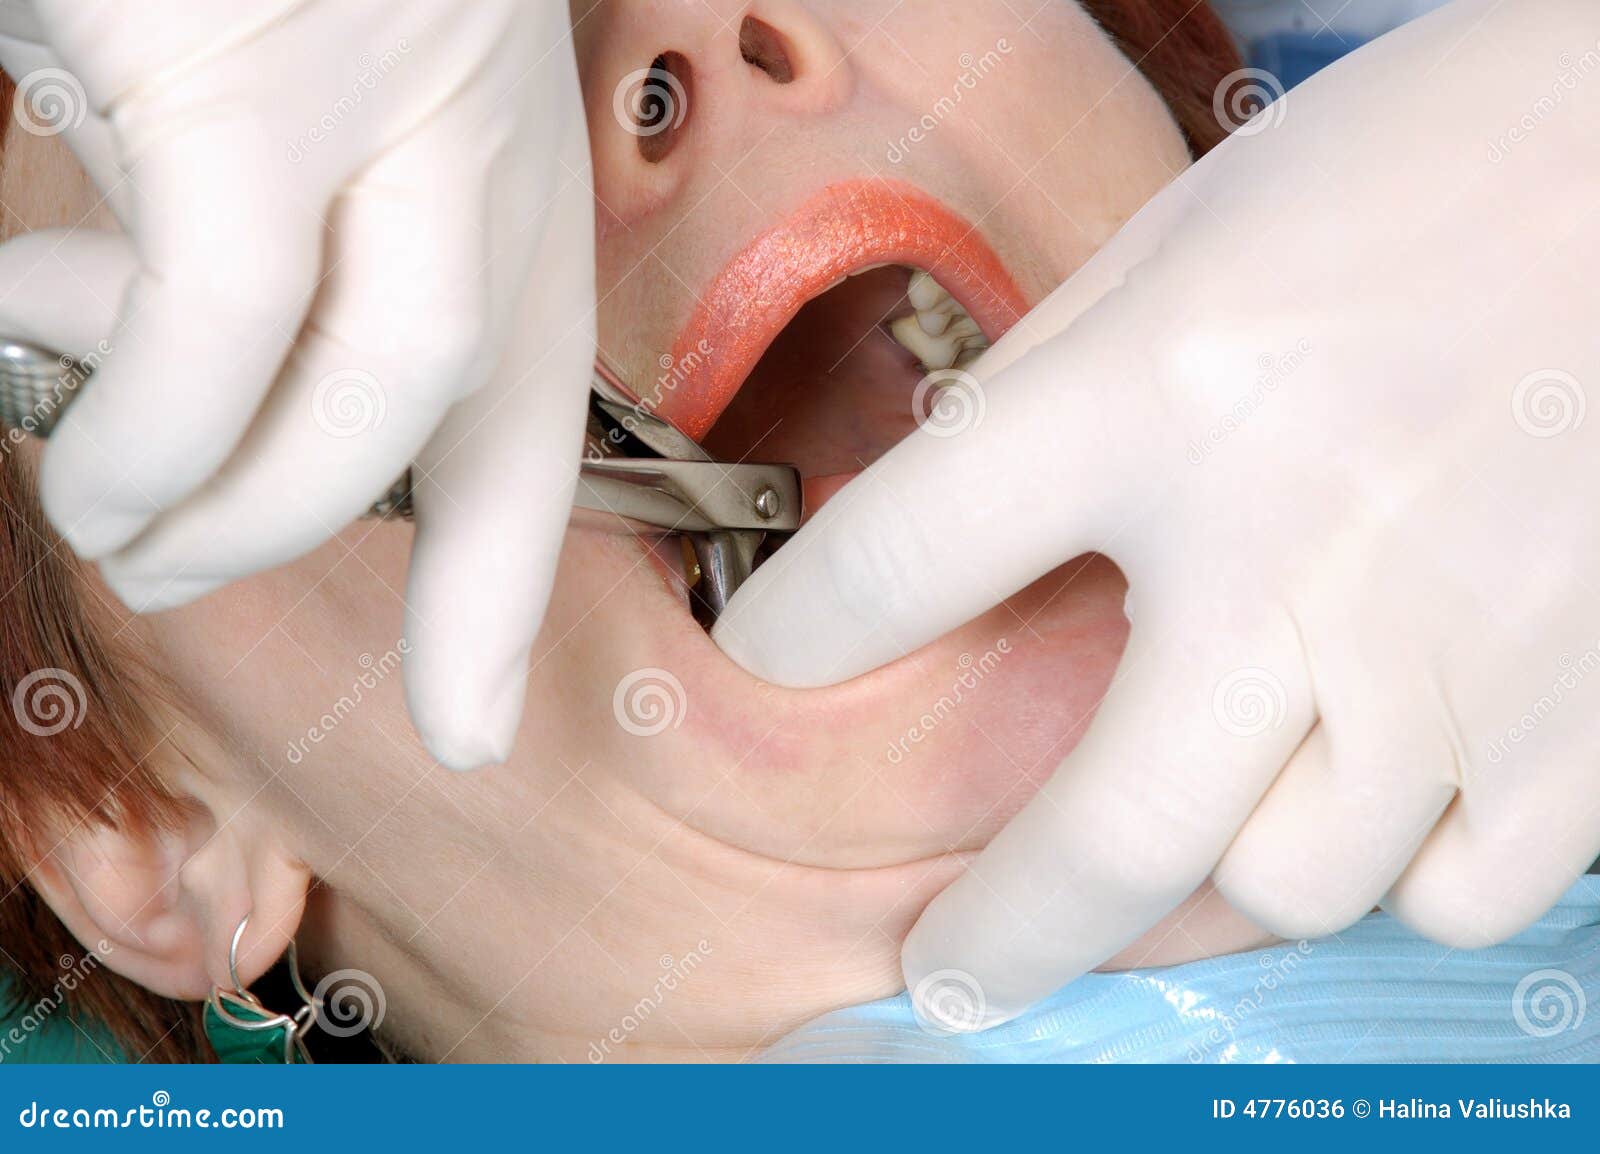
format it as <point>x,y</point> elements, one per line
<point>161,905</point>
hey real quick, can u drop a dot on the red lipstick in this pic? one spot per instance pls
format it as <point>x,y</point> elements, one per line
<point>841,230</point>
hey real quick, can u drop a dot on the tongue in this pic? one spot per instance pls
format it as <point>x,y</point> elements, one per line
<point>833,392</point>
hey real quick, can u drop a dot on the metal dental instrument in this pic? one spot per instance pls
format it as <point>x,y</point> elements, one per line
<point>642,471</point>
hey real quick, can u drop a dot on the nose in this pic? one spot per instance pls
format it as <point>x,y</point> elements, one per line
<point>685,89</point>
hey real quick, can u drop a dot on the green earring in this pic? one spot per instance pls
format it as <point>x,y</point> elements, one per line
<point>242,1030</point>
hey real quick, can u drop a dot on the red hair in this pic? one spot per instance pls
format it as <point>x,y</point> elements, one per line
<point>92,773</point>
<point>1184,51</point>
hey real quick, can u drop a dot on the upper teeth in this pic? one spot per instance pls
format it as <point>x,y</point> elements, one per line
<point>940,333</point>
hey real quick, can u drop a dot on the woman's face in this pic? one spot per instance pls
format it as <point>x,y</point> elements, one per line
<point>661,805</point>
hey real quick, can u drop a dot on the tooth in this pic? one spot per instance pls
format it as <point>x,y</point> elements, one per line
<point>924,292</point>
<point>937,352</point>
<point>934,322</point>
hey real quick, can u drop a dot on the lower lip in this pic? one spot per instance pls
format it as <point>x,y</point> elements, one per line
<point>818,490</point>
<point>843,229</point>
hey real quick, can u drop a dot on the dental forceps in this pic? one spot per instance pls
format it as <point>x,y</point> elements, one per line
<point>639,471</point>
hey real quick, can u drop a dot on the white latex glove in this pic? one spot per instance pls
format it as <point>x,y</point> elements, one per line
<point>358,235</point>
<point>1324,402</point>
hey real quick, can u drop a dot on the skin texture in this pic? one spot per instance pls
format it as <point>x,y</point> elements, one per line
<point>784,841</point>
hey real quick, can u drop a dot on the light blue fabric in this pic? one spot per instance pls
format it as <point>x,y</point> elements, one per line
<point>1295,39</point>
<point>1375,993</point>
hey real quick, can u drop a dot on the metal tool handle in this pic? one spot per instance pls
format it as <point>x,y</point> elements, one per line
<point>694,494</point>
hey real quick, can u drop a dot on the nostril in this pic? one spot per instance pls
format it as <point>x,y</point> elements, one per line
<point>764,47</point>
<point>657,106</point>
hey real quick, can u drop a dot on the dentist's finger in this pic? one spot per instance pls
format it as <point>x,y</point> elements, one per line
<point>399,332</point>
<point>61,289</point>
<point>1339,825</point>
<point>495,485</point>
<point>229,259</point>
<point>1003,482</point>
<point>1206,708</point>
<point>1515,839</point>
<point>493,496</point>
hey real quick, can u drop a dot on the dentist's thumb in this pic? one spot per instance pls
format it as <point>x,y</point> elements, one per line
<point>1004,480</point>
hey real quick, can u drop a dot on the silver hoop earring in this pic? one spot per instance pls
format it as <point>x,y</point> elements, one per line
<point>242,1030</point>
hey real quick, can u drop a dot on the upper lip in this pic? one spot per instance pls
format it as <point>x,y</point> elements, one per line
<point>842,229</point>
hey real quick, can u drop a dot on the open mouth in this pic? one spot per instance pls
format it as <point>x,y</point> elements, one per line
<point>810,345</point>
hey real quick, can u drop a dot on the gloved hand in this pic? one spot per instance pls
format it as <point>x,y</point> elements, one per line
<point>332,211</point>
<point>1324,401</point>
